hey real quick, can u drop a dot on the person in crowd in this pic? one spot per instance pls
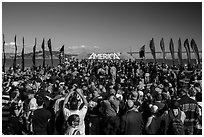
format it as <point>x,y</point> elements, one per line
<point>174,120</point>
<point>131,121</point>
<point>16,117</point>
<point>74,107</point>
<point>110,125</point>
<point>191,109</point>
<point>98,91</point>
<point>199,120</point>
<point>153,125</point>
<point>73,123</point>
<point>40,118</point>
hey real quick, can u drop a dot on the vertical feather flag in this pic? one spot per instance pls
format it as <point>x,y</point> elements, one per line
<point>152,48</point>
<point>188,52</point>
<point>142,51</point>
<point>195,50</point>
<point>171,47</point>
<point>14,61</point>
<point>61,55</point>
<point>22,55</point>
<point>162,48</point>
<point>34,48</point>
<point>4,55</point>
<point>43,50</point>
<point>180,53</point>
<point>50,49</point>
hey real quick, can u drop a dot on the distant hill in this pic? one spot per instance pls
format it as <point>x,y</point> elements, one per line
<point>38,55</point>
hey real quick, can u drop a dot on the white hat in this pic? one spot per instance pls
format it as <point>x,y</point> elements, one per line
<point>154,108</point>
<point>15,83</point>
<point>158,90</point>
<point>140,93</point>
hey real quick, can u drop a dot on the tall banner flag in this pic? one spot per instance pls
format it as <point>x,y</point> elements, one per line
<point>22,55</point>
<point>152,48</point>
<point>14,61</point>
<point>180,53</point>
<point>162,48</point>
<point>61,55</point>
<point>188,52</point>
<point>171,47</point>
<point>34,48</point>
<point>142,52</point>
<point>4,55</point>
<point>43,50</point>
<point>195,50</point>
<point>50,49</point>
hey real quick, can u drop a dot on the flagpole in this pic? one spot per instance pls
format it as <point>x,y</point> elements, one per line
<point>23,65</point>
<point>50,48</point>
<point>34,48</point>
<point>130,50</point>
<point>4,61</point>
<point>180,54</point>
<point>171,48</point>
<point>43,50</point>
<point>14,61</point>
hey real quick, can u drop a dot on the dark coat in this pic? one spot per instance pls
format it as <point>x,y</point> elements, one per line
<point>132,123</point>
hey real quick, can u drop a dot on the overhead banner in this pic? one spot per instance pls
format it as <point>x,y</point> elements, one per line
<point>105,56</point>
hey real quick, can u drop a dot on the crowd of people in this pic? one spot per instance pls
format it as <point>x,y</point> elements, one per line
<point>102,97</point>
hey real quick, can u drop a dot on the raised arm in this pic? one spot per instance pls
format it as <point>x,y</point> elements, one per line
<point>65,102</point>
<point>67,98</point>
<point>79,91</point>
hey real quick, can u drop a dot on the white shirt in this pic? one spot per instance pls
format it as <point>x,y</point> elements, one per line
<point>56,106</point>
<point>33,104</point>
<point>81,113</point>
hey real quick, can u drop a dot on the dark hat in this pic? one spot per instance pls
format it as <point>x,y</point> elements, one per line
<point>174,104</point>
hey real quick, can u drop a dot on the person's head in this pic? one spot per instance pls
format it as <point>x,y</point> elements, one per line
<point>16,91</point>
<point>73,120</point>
<point>140,95</point>
<point>119,86</point>
<point>39,100</point>
<point>130,104</point>
<point>100,86</point>
<point>74,103</point>
<point>154,109</point>
<point>30,93</point>
<point>197,84</point>
<point>174,104</point>
<point>134,95</point>
<point>182,92</point>
<point>84,88</point>
<point>158,97</point>
<point>112,91</point>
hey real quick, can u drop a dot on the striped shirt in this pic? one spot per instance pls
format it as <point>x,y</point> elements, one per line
<point>191,109</point>
<point>5,108</point>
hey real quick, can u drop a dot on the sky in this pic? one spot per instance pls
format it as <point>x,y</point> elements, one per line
<point>103,27</point>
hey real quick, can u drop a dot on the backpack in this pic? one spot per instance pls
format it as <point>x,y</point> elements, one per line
<point>175,125</point>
